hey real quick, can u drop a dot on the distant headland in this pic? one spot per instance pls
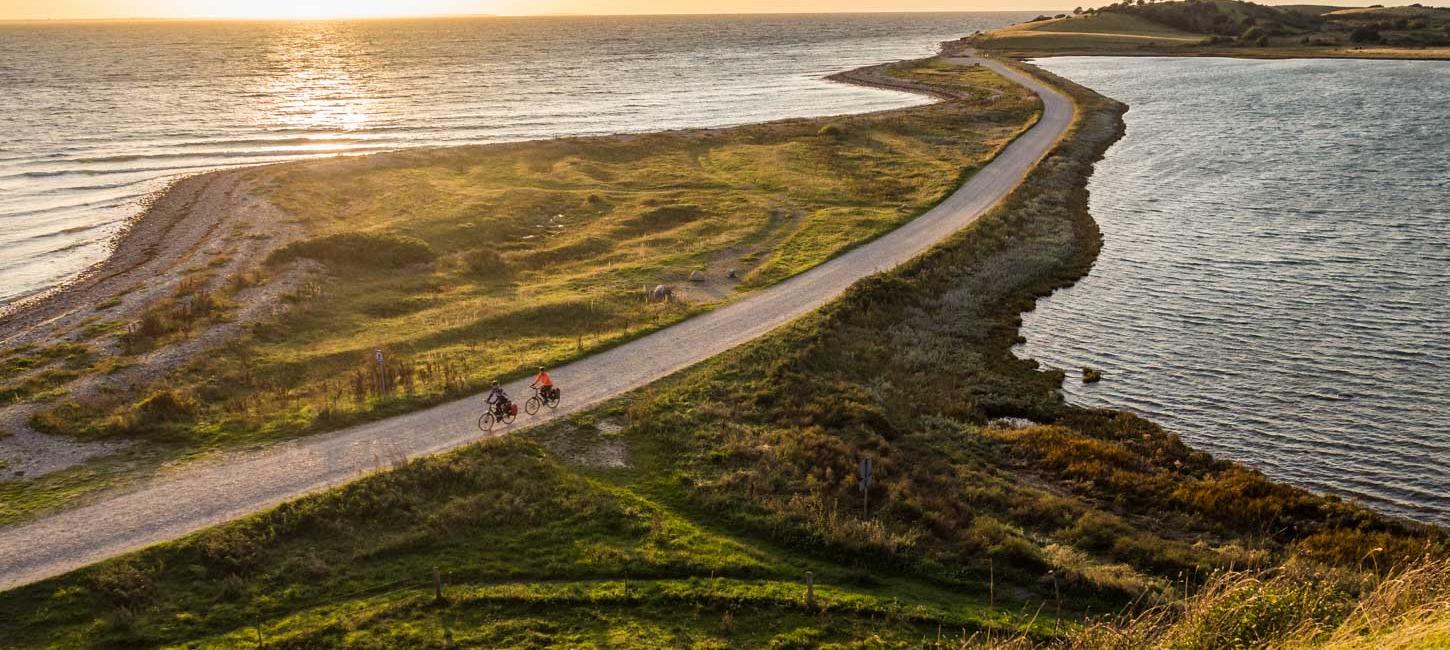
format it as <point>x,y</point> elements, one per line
<point>1229,28</point>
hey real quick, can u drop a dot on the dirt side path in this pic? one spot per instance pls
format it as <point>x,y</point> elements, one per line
<point>209,493</point>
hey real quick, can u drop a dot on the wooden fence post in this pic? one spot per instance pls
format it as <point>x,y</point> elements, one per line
<point>437,586</point>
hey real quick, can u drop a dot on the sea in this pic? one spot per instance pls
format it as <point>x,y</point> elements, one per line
<point>97,116</point>
<point>1274,283</point>
<point>1275,279</point>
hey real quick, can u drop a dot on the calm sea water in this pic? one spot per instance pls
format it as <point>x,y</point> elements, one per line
<point>1275,277</point>
<point>96,116</point>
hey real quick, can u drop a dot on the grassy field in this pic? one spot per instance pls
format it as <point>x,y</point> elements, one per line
<point>466,264</point>
<point>474,263</point>
<point>1106,32</point>
<point>689,513</point>
<point>1230,28</point>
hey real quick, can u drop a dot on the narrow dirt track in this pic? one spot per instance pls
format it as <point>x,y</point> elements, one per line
<point>210,493</point>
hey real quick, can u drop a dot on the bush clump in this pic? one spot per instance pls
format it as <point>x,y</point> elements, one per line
<point>165,406</point>
<point>357,249</point>
<point>832,130</point>
<point>1365,35</point>
<point>485,262</point>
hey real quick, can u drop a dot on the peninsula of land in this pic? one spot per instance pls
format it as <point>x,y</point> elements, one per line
<point>1227,28</point>
<point>738,317</point>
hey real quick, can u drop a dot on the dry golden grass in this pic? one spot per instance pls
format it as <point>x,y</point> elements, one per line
<point>1299,605</point>
<point>1090,32</point>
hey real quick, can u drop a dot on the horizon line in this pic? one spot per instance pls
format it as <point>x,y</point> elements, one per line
<point>254,19</point>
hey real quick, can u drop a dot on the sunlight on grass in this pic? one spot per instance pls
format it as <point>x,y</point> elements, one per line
<point>473,263</point>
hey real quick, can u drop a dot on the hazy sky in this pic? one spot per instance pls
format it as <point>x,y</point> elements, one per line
<point>61,9</point>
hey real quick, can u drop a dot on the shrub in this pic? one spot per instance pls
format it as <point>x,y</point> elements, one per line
<point>485,262</point>
<point>228,551</point>
<point>1365,35</point>
<point>165,406</point>
<point>1097,531</point>
<point>123,583</point>
<point>358,249</point>
<point>832,130</point>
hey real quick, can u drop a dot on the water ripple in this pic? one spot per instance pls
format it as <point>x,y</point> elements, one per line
<point>1275,269</point>
<point>93,111</point>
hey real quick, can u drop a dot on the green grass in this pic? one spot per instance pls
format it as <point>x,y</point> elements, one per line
<point>33,374</point>
<point>689,512</point>
<point>473,263</point>
<point>1106,31</point>
<point>528,546</point>
<point>469,264</point>
<point>22,497</point>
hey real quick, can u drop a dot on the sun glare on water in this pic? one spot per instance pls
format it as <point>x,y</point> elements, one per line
<point>316,9</point>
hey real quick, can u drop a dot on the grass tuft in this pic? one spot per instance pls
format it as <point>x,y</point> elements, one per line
<point>374,250</point>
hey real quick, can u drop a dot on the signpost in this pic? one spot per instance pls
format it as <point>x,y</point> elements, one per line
<point>865,485</point>
<point>382,374</point>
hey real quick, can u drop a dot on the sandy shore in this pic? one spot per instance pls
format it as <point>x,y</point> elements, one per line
<point>205,494</point>
<point>217,224</point>
<point>212,226</point>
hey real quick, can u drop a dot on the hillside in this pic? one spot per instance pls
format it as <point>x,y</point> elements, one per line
<point>1230,28</point>
<point>690,513</point>
<point>1105,32</point>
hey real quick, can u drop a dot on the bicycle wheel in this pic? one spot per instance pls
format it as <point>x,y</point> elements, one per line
<point>532,406</point>
<point>553,399</point>
<point>508,416</point>
<point>485,422</point>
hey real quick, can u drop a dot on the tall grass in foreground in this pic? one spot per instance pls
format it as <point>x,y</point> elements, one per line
<point>1294,606</point>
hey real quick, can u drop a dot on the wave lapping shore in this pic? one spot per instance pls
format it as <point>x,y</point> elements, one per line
<point>74,171</point>
<point>300,469</point>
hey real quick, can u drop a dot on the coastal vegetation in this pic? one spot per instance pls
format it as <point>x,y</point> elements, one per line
<point>466,264</point>
<point>1295,606</point>
<point>1230,28</point>
<point>694,512</point>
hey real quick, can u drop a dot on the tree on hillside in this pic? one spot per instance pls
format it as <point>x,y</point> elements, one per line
<point>1365,35</point>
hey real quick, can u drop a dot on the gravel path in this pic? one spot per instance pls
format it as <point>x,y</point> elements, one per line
<point>213,492</point>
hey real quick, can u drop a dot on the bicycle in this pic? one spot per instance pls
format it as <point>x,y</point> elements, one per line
<point>547,397</point>
<point>504,412</point>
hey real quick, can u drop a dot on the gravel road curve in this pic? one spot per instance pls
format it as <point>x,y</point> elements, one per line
<point>212,492</point>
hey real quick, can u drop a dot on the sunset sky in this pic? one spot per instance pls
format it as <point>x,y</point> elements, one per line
<point>79,9</point>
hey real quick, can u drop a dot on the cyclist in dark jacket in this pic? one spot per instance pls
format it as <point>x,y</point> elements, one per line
<point>497,399</point>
